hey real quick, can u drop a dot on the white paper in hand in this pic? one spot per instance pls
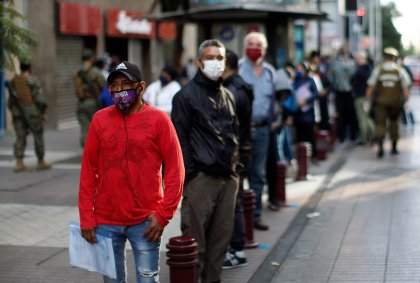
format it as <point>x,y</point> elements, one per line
<point>98,257</point>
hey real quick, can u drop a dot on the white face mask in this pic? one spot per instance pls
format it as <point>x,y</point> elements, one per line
<point>213,69</point>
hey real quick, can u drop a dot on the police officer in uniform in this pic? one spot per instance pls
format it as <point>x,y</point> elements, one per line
<point>89,83</point>
<point>28,107</point>
<point>390,83</point>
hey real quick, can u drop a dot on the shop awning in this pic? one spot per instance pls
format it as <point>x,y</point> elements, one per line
<point>239,12</point>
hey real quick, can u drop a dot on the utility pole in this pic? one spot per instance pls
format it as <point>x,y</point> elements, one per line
<point>319,25</point>
<point>378,30</point>
<point>2,88</point>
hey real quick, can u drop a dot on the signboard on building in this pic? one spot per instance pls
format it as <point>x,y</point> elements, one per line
<point>122,23</point>
<point>79,19</point>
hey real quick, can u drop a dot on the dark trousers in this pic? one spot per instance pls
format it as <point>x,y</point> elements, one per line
<point>346,115</point>
<point>387,111</point>
<point>271,165</point>
<point>207,213</point>
<point>324,123</point>
<point>238,237</point>
<point>305,132</point>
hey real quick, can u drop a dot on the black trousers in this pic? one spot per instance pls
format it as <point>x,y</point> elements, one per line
<point>346,116</point>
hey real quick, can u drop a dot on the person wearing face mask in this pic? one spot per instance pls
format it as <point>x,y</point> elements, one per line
<point>160,92</point>
<point>262,77</point>
<point>306,92</point>
<point>204,115</point>
<point>120,191</point>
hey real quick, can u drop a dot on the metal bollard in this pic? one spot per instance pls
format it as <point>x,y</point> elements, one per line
<point>281,182</point>
<point>248,200</point>
<point>182,259</point>
<point>322,144</point>
<point>303,151</point>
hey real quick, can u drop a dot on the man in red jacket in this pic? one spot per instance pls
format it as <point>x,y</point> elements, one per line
<point>121,191</point>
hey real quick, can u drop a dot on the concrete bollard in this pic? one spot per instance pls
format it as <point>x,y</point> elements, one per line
<point>322,144</point>
<point>303,152</point>
<point>182,259</point>
<point>281,182</point>
<point>248,201</point>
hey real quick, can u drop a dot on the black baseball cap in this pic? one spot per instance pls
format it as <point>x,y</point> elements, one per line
<point>131,71</point>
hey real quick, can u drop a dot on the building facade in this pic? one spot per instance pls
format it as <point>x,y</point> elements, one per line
<point>65,28</point>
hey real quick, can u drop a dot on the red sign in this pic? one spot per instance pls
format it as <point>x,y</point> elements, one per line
<point>122,23</point>
<point>79,19</point>
<point>167,30</point>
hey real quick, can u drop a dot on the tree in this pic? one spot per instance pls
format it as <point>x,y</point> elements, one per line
<point>390,35</point>
<point>14,39</point>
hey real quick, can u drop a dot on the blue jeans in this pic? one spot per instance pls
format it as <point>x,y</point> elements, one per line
<point>285,144</point>
<point>256,173</point>
<point>146,254</point>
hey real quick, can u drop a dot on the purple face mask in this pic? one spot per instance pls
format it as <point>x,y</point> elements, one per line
<point>124,99</point>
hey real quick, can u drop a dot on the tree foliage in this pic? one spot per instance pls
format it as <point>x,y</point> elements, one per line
<point>14,39</point>
<point>390,35</point>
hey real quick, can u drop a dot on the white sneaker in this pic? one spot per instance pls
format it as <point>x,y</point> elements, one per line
<point>234,259</point>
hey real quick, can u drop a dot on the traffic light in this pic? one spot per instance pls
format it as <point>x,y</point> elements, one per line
<point>351,5</point>
<point>360,15</point>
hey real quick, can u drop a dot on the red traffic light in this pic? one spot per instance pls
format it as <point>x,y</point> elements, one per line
<point>361,11</point>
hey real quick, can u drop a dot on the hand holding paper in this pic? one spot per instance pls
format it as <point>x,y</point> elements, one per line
<point>98,257</point>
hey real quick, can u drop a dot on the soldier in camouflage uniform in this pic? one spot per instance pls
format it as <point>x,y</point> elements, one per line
<point>28,107</point>
<point>390,83</point>
<point>89,83</point>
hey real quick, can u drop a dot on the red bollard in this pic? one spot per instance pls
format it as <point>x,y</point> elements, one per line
<point>281,182</point>
<point>182,259</point>
<point>303,152</point>
<point>322,144</point>
<point>248,201</point>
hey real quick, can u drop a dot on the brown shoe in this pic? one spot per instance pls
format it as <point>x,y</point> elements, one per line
<point>42,165</point>
<point>260,225</point>
<point>20,166</point>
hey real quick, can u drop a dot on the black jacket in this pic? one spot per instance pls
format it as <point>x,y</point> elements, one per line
<point>204,116</point>
<point>244,96</point>
<point>359,80</point>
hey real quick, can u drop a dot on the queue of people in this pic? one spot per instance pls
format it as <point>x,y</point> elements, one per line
<point>230,123</point>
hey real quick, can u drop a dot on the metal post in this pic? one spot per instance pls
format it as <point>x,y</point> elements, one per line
<point>2,90</point>
<point>248,201</point>
<point>2,103</point>
<point>378,30</point>
<point>182,259</point>
<point>303,151</point>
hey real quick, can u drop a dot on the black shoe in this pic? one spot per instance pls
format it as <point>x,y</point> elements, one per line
<point>394,150</point>
<point>259,225</point>
<point>380,153</point>
<point>234,259</point>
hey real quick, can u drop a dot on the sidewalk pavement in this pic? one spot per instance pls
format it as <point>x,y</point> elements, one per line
<point>36,207</point>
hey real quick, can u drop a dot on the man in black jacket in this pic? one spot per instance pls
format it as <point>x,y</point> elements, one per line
<point>244,95</point>
<point>204,115</point>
